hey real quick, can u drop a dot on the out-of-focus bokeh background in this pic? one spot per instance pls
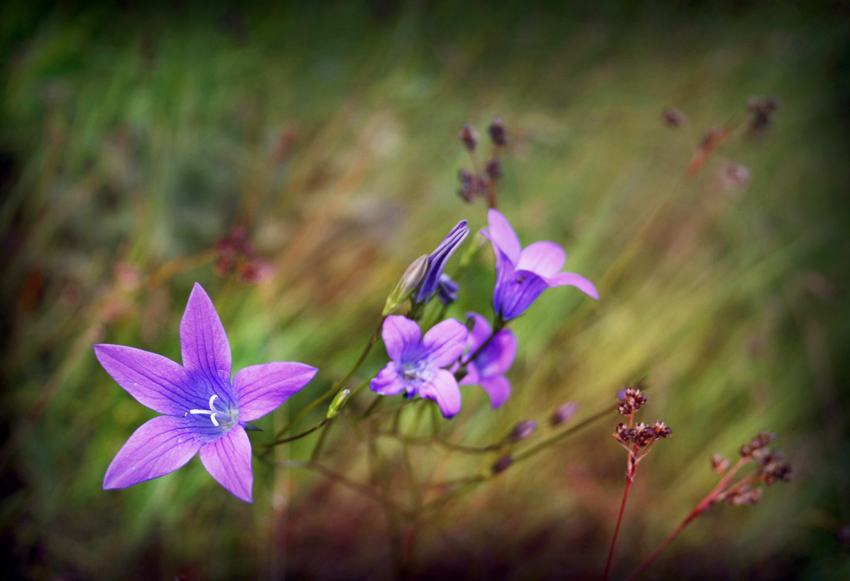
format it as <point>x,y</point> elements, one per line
<point>134,139</point>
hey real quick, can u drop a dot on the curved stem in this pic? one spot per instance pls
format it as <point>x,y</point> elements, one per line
<point>629,481</point>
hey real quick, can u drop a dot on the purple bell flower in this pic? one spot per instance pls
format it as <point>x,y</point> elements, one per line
<point>203,411</point>
<point>492,362</point>
<point>522,274</point>
<point>416,364</point>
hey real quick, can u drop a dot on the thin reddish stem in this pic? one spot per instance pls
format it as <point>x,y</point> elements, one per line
<point>629,481</point>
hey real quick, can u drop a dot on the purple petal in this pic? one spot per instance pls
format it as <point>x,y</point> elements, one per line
<point>498,388</point>
<point>444,342</point>
<point>401,337</point>
<point>261,389</point>
<point>158,447</point>
<point>444,390</point>
<point>437,260</point>
<point>388,381</point>
<point>480,332</point>
<point>155,381</point>
<point>578,281</point>
<point>202,338</point>
<point>228,460</point>
<point>517,295</point>
<point>543,258</point>
<point>503,236</point>
<point>498,356</point>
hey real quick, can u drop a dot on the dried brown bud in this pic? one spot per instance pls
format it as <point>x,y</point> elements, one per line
<point>661,431</point>
<point>673,117</point>
<point>468,185</point>
<point>494,169</point>
<point>719,464</point>
<point>632,401</point>
<point>744,496</point>
<point>523,430</point>
<point>563,413</point>
<point>761,111</point>
<point>497,131</point>
<point>773,467</point>
<point>755,449</point>
<point>469,137</point>
<point>502,464</point>
<point>623,434</point>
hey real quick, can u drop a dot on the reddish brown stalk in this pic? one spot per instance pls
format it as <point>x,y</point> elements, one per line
<point>700,508</point>
<point>629,480</point>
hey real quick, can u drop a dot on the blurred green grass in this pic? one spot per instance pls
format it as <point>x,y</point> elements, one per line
<point>134,138</point>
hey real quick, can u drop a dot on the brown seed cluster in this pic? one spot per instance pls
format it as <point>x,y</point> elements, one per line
<point>497,131</point>
<point>482,183</point>
<point>756,449</point>
<point>719,464</point>
<point>744,495</point>
<point>469,137</point>
<point>773,467</point>
<point>632,401</point>
<point>642,434</point>
<point>761,111</point>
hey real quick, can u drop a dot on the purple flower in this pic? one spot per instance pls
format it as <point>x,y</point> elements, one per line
<point>203,411</point>
<point>416,365</point>
<point>437,261</point>
<point>491,363</point>
<point>522,274</point>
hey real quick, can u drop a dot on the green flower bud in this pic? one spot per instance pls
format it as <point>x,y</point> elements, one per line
<point>340,399</point>
<point>407,284</point>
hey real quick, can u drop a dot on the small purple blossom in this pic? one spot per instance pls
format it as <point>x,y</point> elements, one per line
<point>437,261</point>
<point>523,273</point>
<point>203,411</point>
<point>491,363</point>
<point>416,365</point>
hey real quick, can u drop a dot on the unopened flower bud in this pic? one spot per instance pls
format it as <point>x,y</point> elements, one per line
<point>563,413</point>
<point>494,169</point>
<point>497,131</point>
<point>674,118</point>
<point>406,284</point>
<point>502,464</point>
<point>339,400</point>
<point>469,137</point>
<point>523,430</point>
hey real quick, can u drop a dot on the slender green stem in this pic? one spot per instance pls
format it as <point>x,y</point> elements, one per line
<point>543,444</point>
<point>297,436</point>
<point>317,450</point>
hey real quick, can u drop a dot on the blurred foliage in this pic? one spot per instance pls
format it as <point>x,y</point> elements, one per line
<point>133,139</point>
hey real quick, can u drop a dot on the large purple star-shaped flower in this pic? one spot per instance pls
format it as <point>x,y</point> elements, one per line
<point>416,365</point>
<point>203,411</point>
<point>491,363</point>
<point>522,274</point>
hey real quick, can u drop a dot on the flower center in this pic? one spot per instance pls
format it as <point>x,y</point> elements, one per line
<point>224,416</point>
<point>416,370</point>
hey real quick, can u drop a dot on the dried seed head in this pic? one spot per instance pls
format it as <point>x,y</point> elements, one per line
<point>632,401</point>
<point>623,434</point>
<point>563,413</point>
<point>494,169</point>
<point>744,496</point>
<point>761,112</point>
<point>502,464</point>
<point>523,430</point>
<point>719,464</point>
<point>673,117</point>
<point>773,467</point>
<point>497,131</point>
<point>468,185</point>
<point>469,137</point>
<point>661,431</point>
<point>755,449</point>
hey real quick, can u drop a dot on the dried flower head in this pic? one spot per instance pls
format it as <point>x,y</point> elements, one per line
<point>632,401</point>
<point>237,254</point>
<point>745,495</point>
<point>761,111</point>
<point>497,131</point>
<point>469,137</point>
<point>773,467</point>
<point>719,464</point>
<point>756,448</point>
